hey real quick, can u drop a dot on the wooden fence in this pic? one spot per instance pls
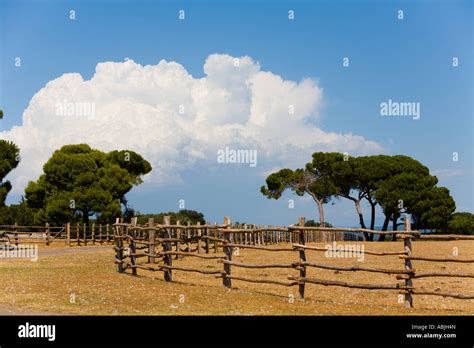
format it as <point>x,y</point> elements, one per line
<point>69,234</point>
<point>79,234</point>
<point>152,247</point>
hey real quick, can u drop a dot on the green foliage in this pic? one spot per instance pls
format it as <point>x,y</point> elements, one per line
<point>9,155</point>
<point>130,161</point>
<point>433,209</point>
<point>279,182</point>
<point>315,179</point>
<point>312,223</point>
<point>320,170</point>
<point>184,216</point>
<point>411,189</point>
<point>9,159</point>
<point>370,172</point>
<point>79,182</point>
<point>462,222</point>
<point>17,213</point>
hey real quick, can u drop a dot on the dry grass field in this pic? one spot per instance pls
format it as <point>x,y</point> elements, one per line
<point>84,281</point>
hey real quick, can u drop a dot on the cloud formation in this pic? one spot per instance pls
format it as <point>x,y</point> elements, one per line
<point>175,120</point>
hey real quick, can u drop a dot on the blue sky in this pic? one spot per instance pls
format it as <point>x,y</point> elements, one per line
<point>404,60</point>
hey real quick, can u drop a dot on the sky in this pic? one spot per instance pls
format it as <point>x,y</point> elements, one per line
<point>179,90</point>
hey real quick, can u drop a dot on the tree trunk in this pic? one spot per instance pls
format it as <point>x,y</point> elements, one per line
<point>372,215</point>
<point>320,203</point>
<point>395,225</point>
<point>85,217</point>
<point>367,236</point>
<point>321,212</point>
<point>359,212</point>
<point>384,227</point>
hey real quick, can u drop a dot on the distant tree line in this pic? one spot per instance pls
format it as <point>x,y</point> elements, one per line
<point>462,222</point>
<point>184,216</point>
<point>312,223</point>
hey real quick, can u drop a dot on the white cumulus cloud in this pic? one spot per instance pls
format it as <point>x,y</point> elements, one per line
<point>176,120</point>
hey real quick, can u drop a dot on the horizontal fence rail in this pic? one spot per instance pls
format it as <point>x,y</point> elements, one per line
<point>153,247</point>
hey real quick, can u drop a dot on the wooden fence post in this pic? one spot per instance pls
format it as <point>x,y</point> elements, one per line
<point>227,282</point>
<point>93,233</point>
<point>188,234</point>
<point>107,233</point>
<point>199,235</point>
<point>100,234</point>
<point>133,257</point>
<point>85,234</point>
<point>216,235</point>
<point>118,247</point>
<point>151,240</point>
<point>302,257</point>
<point>208,234</point>
<point>178,236</point>
<point>167,247</point>
<point>246,235</point>
<point>68,234</point>
<point>133,223</point>
<point>48,233</point>
<point>408,263</point>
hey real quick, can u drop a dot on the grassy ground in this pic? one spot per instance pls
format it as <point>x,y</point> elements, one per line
<point>84,281</point>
